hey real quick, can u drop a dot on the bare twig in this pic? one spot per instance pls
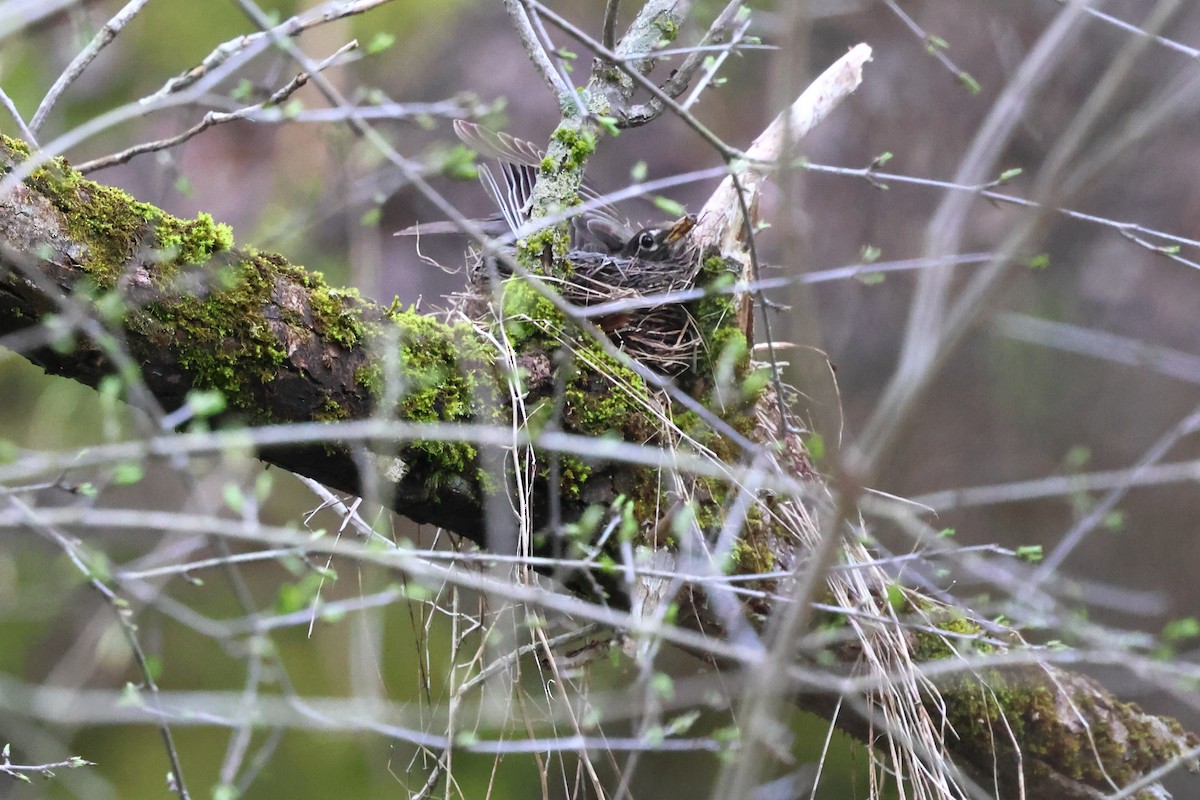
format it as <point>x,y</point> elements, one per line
<point>726,31</point>
<point>231,54</point>
<point>1048,569</point>
<point>631,69</point>
<point>22,128</point>
<point>101,40</point>
<point>213,118</point>
<point>721,220</point>
<point>534,48</point>
<point>80,559</point>
<point>609,30</point>
<point>935,327</point>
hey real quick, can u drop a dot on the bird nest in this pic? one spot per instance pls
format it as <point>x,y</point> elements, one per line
<point>641,316</point>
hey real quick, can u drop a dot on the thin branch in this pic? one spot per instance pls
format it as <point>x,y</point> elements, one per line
<point>214,118</point>
<point>609,29</point>
<point>534,48</point>
<point>727,28</point>
<point>101,40</point>
<point>1096,514</point>
<point>79,558</point>
<point>641,80</point>
<point>233,53</point>
<point>22,128</point>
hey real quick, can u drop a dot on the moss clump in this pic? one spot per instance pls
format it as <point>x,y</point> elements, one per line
<point>444,382</point>
<point>335,312</point>
<point>930,646</point>
<point>118,229</point>
<point>577,143</point>
<point>222,337</point>
<point>530,318</point>
<point>545,247</point>
<point>192,242</point>
<point>595,406</point>
<point>717,314</point>
<point>668,26</point>
<point>15,147</point>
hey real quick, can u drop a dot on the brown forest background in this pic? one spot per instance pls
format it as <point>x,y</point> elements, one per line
<point>1001,410</point>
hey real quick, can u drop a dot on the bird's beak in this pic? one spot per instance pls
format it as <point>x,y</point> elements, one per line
<point>680,228</point>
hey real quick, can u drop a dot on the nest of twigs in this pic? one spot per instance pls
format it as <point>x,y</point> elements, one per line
<point>645,322</point>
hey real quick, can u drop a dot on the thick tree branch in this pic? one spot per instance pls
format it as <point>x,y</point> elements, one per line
<point>281,344</point>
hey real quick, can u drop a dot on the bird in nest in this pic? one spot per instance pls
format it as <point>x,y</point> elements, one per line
<point>610,259</point>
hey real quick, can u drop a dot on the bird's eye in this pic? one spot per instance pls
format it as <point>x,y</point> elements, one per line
<point>646,240</point>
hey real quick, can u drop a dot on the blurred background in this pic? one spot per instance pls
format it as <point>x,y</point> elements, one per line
<point>1084,357</point>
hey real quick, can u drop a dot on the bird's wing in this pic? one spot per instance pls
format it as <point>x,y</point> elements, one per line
<point>521,160</point>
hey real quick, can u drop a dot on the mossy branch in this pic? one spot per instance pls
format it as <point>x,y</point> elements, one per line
<point>282,346</point>
<point>191,310</point>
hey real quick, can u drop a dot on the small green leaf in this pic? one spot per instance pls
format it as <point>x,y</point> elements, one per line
<point>1077,458</point>
<point>207,402</point>
<point>638,173</point>
<point>243,91</point>
<point>969,82</point>
<point>1180,629</point>
<point>870,253</point>
<point>663,686</point>
<point>235,500</point>
<point>814,443</point>
<point>225,792</point>
<point>1009,174</point>
<point>459,163</point>
<point>1031,553</point>
<point>871,278</point>
<point>380,42</point>
<point>609,124</point>
<point>1038,262</point>
<point>128,473</point>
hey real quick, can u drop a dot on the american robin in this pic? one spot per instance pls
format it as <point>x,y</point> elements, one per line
<point>600,229</point>
<point>610,260</point>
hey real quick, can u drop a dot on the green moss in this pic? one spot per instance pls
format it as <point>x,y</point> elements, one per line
<point>15,147</point>
<point>594,407</point>
<point>222,337</point>
<point>191,242</point>
<point>930,646</point>
<point>668,26</point>
<point>573,473</point>
<point>444,383</point>
<point>335,312</point>
<point>577,143</point>
<point>545,246</point>
<point>118,229</point>
<point>990,709</point>
<point>529,317</point>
